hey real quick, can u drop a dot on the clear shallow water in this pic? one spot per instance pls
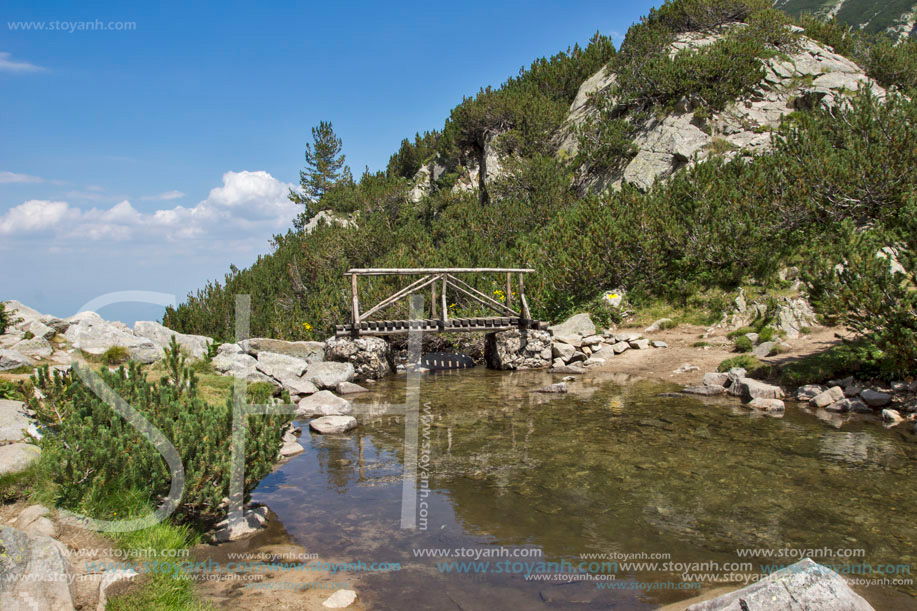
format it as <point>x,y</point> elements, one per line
<point>612,468</point>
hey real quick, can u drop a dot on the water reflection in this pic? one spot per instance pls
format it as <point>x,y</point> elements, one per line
<point>611,466</point>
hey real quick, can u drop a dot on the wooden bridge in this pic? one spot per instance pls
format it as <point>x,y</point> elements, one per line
<point>440,280</point>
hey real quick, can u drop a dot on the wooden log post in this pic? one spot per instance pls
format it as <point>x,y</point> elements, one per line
<point>445,309</point>
<point>433,300</point>
<point>355,305</point>
<point>509,294</point>
<point>524,308</point>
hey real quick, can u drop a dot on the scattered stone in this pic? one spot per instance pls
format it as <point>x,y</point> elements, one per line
<point>707,391</point>
<point>349,388</point>
<point>340,599</point>
<point>327,374</point>
<point>568,378</point>
<point>767,405</point>
<point>298,387</point>
<point>239,365</point>
<point>34,521</point>
<point>627,337</point>
<point>580,324</point>
<point>578,357</point>
<point>13,420</point>
<point>764,349</point>
<point>736,373</point>
<point>253,520</point>
<point>852,390</point>
<point>752,337</point>
<point>620,347</point>
<point>333,425</point>
<point>839,407</point>
<point>686,368</point>
<point>827,397</point>
<point>843,382</point>
<point>659,344</point>
<point>592,340</point>
<point>557,363</point>
<point>91,334</point>
<point>280,366</point>
<point>858,407</point>
<point>560,387</point>
<point>749,388</point>
<point>892,417</point>
<point>875,398</point>
<point>640,344</point>
<point>16,457</point>
<point>657,325</point>
<point>291,448</point>
<point>110,578</point>
<point>323,403</point>
<point>716,379</point>
<point>11,359</point>
<point>804,393</point>
<point>593,362</point>
<point>36,572</point>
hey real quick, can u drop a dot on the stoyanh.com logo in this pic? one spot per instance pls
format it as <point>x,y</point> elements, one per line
<point>73,26</point>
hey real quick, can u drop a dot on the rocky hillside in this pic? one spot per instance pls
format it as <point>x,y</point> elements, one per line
<point>896,17</point>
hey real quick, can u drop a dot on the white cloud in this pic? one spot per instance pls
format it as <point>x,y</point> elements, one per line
<point>166,196</point>
<point>9,177</point>
<point>248,206</point>
<point>8,65</point>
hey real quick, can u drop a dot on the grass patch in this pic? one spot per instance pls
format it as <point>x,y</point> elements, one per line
<point>11,390</point>
<point>746,361</point>
<point>701,345</point>
<point>116,355</point>
<point>740,332</point>
<point>743,344</point>
<point>16,486</point>
<point>859,359</point>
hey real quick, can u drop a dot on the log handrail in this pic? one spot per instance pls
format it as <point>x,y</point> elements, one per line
<point>396,271</point>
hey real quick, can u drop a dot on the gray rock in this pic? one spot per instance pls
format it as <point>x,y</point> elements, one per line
<point>716,379</point>
<point>707,391</point>
<point>13,421</point>
<point>280,366</point>
<point>340,599</point>
<point>657,325</point>
<point>239,365</point>
<point>852,390</point>
<point>592,340</point>
<point>253,520</point>
<point>91,334</point>
<point>686,368</point>
<point>311,352</point>
<point>291,448</point>
<point>578,357</point>
<point>620,347</point>
<point>11,359</point>
<point>736,373</point>
<point>838,407</point>
<point>593,362</point>
<point>752,337</point>
<point>16,457</point>
<point>827,397</point>
<point>323,403</point>
<point>802,586</point>
<point>349,388</point>
<point>298,387</point>
<point>659,344</point>
<point>560,387</point>
<point>767,405</point>
<point>34,520</point>
<point>749,388</point>
<point>606,353</point>
<point>36,348</point>
<point>228,349</point>
<point>561,350</point>
<point>333,425</point>
<point>892,417</point>
<point>371,357</point>
<point>195,346</point>
<point>36,572</point>
<point>640,344</point>
<point>40,330</point>
<point>804,393</point>
<point>764,349</point>
<point>858,407</point>
<point>329,374</point>
<point>579,324</point>
<point>875,398</point>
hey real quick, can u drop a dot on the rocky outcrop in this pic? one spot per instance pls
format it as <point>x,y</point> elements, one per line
<point>811,75</point>
<point>518,349</point>
<point>11,359</point>
<point>89,333</point>
<point>310,352</point>
<point>15,421</point>
<point>195,346</point>
<point>371,357</point>
<point>325,217</point>
<point>804,585</point>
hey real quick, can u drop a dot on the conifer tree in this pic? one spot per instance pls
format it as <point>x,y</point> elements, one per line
<point>324,167</point>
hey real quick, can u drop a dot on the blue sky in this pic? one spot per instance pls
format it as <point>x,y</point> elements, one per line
<point>153,156</point>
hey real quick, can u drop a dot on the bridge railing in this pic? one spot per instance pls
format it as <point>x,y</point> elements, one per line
<point>440,281</point>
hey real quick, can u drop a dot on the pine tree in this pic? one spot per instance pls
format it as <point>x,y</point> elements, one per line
<point>324,166</point>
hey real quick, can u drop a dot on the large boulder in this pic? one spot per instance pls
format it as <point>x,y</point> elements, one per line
<point>802,586</point>
<point>749,388</point>
<point>333,425</point>
<point>35,572</point>
<point>323,403</point>
<point>239,365</point>
<point>371,357</point>
<point>37,348</point>
<point>518,349</point>
<point>574,329</point>
<point>196,346</point>
<point>11,359</point>
<point>827,397</point>
<point>16,457</point>
<point>92,335</point>
<point>14,420</point>
<point>310,352</point>
<point>328,374</point>
<point>279,366</point>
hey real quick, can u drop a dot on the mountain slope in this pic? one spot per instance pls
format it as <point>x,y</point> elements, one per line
<point>871,16</point>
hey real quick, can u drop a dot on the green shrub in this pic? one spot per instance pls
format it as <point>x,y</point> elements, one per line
<point>740,332</point>
<point>701,345</point>
<point>28,335</point>
<point>11,390</point>
<point>746,361</point>
<point>766,334</point>
<point>116,355</point>
<point>91,452</point>
<point>743,344</point>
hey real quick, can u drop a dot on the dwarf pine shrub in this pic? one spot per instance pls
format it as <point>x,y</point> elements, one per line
<point>91,451</point>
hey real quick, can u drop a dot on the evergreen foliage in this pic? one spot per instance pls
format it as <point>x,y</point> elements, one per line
<point>324,168</point>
